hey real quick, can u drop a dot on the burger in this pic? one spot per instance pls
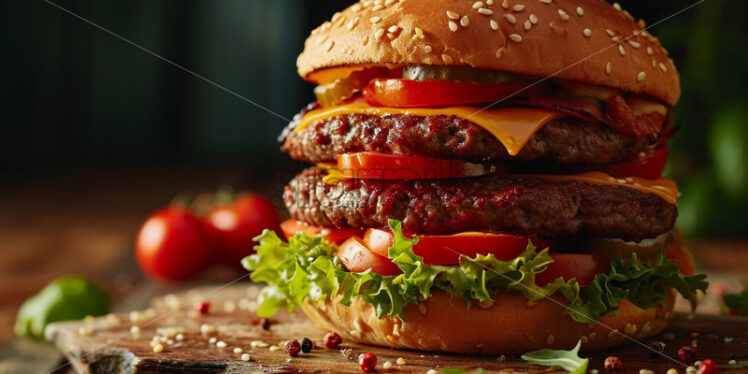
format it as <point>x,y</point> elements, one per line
<point>486,179</point>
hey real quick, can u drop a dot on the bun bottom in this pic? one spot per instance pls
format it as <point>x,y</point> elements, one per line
<point>510,325</point>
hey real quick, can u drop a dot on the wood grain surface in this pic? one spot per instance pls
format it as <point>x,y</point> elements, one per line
<point>107,345</point>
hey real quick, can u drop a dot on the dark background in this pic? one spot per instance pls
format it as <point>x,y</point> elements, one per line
<point>78,100</point>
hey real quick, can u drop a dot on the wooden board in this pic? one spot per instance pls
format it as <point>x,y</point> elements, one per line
<point>106,345</point>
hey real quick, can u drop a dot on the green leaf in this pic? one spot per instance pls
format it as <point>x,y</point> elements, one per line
<point>567,360</point>
<point>738,302</point>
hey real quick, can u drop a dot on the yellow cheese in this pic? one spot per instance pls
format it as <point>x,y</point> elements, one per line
<point>662,187</point>
<point>513,127</point>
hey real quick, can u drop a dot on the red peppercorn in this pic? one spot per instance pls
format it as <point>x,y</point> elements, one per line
<point>688,353</point>
<point>332,340</point>
<point>708,367</point>
<point>201,307</point>
<point>367,362</point>
<point>613,363</point>
<point>293,348</point>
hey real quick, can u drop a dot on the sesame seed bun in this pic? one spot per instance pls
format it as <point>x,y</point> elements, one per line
<point>510,325</point>
<point>579,40</point>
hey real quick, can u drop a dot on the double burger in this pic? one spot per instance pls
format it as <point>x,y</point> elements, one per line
<point>486,179</point>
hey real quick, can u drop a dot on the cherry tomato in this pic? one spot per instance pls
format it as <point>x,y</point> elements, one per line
<point>234,225</point>
<point>402,93</point>
<point>291,227</point>
<point>582,267</point>
<point>650,166</point>
<point>357,258</point>
<point>447,249</point>
<point>172,245</point>
<point>373,165</point>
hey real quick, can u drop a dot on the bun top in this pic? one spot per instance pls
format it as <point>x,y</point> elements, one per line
<point>588,41</point>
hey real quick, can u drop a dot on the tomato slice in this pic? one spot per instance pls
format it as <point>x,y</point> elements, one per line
<point>447,249</point>
<point>650,166</point>
<point>357,258</point>
<point>291,227</point>
<point>582,267</point>
<point>374,165</point>
<point>403,93</point>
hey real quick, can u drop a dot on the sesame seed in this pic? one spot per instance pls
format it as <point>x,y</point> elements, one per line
<point>453,26</point>
<point>615,39</point>
<point>672,371</point>
<point>500,52</point>
<point>617,6</point>
<point>485,11</point>
<point>478,4</point>
<point>528,24</point>
<point>563,15</point>
<point>356,7</point>
<point>518,7</point>
<point>550,339</point>
<point>546,1</point>
<point>418,32</point>
<point>634,43</point>
<point>212,340</point>
<point>158,348</point>
<point>221,344</point>
<point>510,18</point>
<point>365,42</point>
<point>621,50</point>
<point>646,371</point>
<point>691,370</point>
<point>274,348</point>
<point>505,4</point>
<point>654,63</point>
<point>494,25</point>
<point>353,23</point>
<point>393,29</point>
<point>628,15</point>
<point>330,45</point>
<point>534,19</point>
<point>650,51</point>
<point>583,339</point>
<point>610,32</point>
<point>427,49</point>
<point>608,68</point>
<point>85,331</point>
<point>587,32</point>
<point>447,60</point>
<point>640,77</point>
<point>663,67</point>
<point>400,361</point>
<point>515,37</point>
<point>135,330</point>
<point>580,11</point>
<point>489,2</point>
<point>375,19</point>
<point>431,371</point>
<point>238,350</point>
<point>465,21</point>
<point>613,333</point>
<point>377,7</point>
<point>452,15</point>
<point>245,357</point>
<point>387,365</point>
<point>379,34</point>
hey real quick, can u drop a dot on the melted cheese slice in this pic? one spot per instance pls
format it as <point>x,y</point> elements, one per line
<point>513,127</point>
<point>662,187</point>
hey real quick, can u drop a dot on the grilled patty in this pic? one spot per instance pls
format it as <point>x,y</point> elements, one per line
<point>567,140</point>
<point>492,203</point>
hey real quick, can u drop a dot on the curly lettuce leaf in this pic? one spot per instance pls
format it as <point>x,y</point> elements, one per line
<point>567,360</point>
<point>307,267</point>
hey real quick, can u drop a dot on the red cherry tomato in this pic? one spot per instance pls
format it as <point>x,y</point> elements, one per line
<point>234,225</point>
<point>333,235</point>
<point>650,166</point>
<point>447,249</point>
<point>357,258</point>
<point>373,165</point>
<point>402,93</point>
<point>582,267</point>
<point>172,245</point>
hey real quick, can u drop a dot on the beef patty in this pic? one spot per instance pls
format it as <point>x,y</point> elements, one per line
<point>567,140</point>
<point>492,203</point>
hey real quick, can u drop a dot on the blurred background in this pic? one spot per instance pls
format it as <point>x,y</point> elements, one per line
<point>97,133</point>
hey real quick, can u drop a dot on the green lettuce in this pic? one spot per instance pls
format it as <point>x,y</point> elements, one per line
<point>567,360</point>
<point>306,267</point>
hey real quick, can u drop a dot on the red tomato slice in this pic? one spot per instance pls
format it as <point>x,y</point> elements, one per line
<point>373,165</point>
<point>402,93</point>
<point>649,167</point>
<point>291,227</point>
<point>357,258</point>
<point>447,249</point>
<point>582,267</point>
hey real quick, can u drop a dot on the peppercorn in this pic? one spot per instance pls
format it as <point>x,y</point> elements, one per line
<point>708,367</point>
<point>293,347</point>
<point>613,363</point>
<point>307,345</point>
<point>656,349</point>
<point>201,307</point>
<point>265,323</point>
<point>332,340</point>
<point>688,353</point>
<point>367,362</point>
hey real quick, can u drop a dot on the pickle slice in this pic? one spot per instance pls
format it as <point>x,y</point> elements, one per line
<point>458,73</point>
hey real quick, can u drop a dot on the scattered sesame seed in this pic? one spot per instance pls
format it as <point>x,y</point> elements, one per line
<point>505,4</point>
<point>379,34</point>
<point>418,32</point>
<point>646,371</point>
<point>427,49</point>
<point>207,329</point>
<point>485,11</point>
<point>628,15</point>
<point>610,32</point>
<point>465,21</point>
<point>594,371</point>
<point>377,7</point>
<point>728,339</point>
<point>135,330</point>
<point>500,52</point>
<point>447,60</point>
<point>617,6</point>
<point>615,39</point>
<point>158,348</point>
<point>580,11</point>
<point>672,371</point>
<point>510,18</point>
<point>587,32</point>
<point>633,43</point>
<point>179,337</point>
<point>732,362</point>
<point>453,26</point>
<point>494,25</point>
<point>330,45</point>
<point>691,370</point>
<point>489,2</point>
<point>515,37</point>
<point>654,63</point>
<point>245,357</point>
<point>563,15</point>
<point>221,344</point>
<point>650,51</point>
<point>400,361</point>
<point>238,350</point>
<point>273,348</point>
<point>375,19</point>
<point>550,339</point>
<point>528,24</point>
<point>534,19</point>
<point>518,7</point>
<point>387,365</point>
<point>134,316</point>
<point>85,331</point>
<point>393,29</point>
<point>613,333</point>
<point>621,50</point>
<point>478,4</point>
<point>663,67</point>
<point>452,15</point>
<point>353,23</point>
<point>212,340</point>
<point>640,77</point>
<point>546,1</point>
<point>431,371</point>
